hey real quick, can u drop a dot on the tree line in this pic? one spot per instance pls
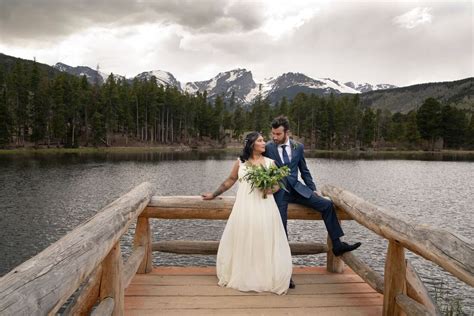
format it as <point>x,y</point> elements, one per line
<point>68,111</point>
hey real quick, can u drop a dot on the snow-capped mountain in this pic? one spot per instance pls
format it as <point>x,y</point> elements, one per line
<point>240,82</point>
<point>162,78</point>
<point>290,84</point>
<point>237,81</point>
<point>366,87</point>
<point>91,74</point>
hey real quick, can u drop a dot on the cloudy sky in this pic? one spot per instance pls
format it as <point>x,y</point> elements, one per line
<point>397,42</point>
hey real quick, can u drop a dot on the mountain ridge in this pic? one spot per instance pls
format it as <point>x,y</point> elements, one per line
<point>240,83</point>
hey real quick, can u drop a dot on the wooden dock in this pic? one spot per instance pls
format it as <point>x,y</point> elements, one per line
<point>84,273</point>
<point>194,291</point>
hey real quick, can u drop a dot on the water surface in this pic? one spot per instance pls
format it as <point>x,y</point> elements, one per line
<point>42,197</point>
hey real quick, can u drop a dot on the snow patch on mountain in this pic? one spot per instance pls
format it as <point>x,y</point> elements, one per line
<point>164,78</point>
<point>366,87</point>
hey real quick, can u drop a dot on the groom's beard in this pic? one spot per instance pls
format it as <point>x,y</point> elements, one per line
<point>276,141</point>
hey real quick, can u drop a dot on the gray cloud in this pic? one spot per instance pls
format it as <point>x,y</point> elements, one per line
<point>362,43</point>
<point>48,20</point>
<point>358,41</point>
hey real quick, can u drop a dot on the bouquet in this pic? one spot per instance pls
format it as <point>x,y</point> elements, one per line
<point>265,178</point>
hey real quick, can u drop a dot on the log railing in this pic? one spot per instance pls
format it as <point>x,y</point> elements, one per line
<point>193,207</point>
<point>88,260</point>
<point>403,290</point>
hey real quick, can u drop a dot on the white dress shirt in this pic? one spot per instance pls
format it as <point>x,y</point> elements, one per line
<point>287,148</point>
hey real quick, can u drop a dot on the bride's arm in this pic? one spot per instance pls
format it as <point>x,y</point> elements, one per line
<point>226,185</point>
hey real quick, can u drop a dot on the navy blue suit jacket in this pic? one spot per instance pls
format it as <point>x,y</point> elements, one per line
<point>297,162</point>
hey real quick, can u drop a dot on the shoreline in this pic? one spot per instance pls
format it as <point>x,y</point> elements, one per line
<point>229,149</point>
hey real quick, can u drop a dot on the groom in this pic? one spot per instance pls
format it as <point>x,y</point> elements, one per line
<point>287,152</point>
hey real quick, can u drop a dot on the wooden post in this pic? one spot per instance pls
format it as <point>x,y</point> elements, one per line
<point>111,282</point>
<point>333,264</point>
<point>143,238</point>
<point>394,278</point>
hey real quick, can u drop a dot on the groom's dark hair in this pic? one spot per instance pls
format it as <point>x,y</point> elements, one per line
<point>281,121</point>
<point>248,145</point>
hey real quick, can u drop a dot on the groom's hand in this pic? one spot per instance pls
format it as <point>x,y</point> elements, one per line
<point>318,193</point>
<point>207,196</point>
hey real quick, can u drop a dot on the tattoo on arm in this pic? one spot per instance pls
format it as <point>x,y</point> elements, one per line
<point>224,186</point>
<point>221,189</point>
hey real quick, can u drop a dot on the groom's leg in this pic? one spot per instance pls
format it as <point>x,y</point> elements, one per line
<point>326,208</point>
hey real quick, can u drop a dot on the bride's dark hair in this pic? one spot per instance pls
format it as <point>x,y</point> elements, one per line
<point>248,145</point>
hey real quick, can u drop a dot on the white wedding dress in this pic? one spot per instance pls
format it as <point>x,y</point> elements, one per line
<point>254,254</point>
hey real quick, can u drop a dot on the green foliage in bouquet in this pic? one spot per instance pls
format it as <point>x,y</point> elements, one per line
<point>264,178</point>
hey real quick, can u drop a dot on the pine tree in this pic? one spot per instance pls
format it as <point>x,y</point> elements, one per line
<point>39,101</point>
<point>284,108</point>
<point>470,134</point>
<point>85,103</point>
<point>411,128</point>
<point>368,127</point>
<point>98,129</point>
<point>5,116</point>
<point>19,97</point>
<point>218,119</point>
<point>429,120</point>
<point>454,125</point>
<point>238,121</point>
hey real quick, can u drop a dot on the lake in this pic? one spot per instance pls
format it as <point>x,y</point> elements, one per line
<point>42,197</point>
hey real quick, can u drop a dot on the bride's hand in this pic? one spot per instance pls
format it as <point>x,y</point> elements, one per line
<point>207,196</point>
<point>274,189</point>
<point>268,191</point>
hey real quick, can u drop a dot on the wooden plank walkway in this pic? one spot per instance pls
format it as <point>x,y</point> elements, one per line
<point>194,291</point>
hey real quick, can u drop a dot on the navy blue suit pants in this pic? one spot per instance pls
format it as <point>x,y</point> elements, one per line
<point>317,203</point>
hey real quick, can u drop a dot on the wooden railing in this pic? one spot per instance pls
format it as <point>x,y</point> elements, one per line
<point>88,261</point>
<point>402,288</point>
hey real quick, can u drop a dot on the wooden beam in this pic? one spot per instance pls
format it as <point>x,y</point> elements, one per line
<point>106,307</point>
<point>194,207</point>
<point>411,307</point>
<point>394,278</point>
<point>132,265</point>
<point>371,277</point>
<point>87,297</point>
<point>417,290</point>
<point>210,247</point>
<point>42,284</point>
<point>111,282</point>
<point>143,238</point>
<point>452,252</point>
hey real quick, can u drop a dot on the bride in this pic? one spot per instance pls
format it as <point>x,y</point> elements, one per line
<point>253,253</point>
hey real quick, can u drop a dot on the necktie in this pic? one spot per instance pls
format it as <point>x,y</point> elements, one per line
<point>286,159</point>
